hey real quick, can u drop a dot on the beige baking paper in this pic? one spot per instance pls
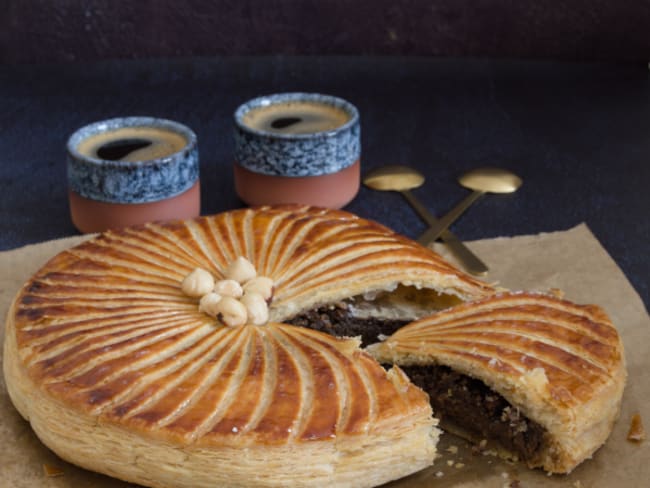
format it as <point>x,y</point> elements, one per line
<point>571,260</point>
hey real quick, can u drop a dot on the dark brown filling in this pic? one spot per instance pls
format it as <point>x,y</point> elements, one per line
<point>338,321</point>
<point>473,406</point>
<point>464,401</point>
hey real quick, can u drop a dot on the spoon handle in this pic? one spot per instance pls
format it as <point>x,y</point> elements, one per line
<point>421,210</point>
<point>436,230</point>
<point>470,261</point>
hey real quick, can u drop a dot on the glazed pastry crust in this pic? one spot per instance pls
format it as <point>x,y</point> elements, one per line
<point>378,438</point>
<point>561,364</point>
<point>103,349</point>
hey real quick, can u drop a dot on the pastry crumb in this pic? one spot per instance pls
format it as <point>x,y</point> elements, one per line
<point>452,449</point>
<point>52,471</point>
<point>459,465</point>
<point>479,448</point>
<point>636,432</point>
<point>439,474</point>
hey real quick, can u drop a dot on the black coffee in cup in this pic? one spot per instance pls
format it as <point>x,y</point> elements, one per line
<point>297,148</point>
<point>296,117</point>
<point>132,144</point>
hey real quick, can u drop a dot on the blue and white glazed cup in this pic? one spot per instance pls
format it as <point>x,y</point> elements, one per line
<point>319,168</point>
<point>109,192</point>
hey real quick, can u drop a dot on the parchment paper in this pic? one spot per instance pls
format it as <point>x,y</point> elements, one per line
<point>571,260</point>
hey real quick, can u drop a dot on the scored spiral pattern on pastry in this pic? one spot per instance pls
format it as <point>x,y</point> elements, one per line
<point>513,334</point>
<point>105,328</point>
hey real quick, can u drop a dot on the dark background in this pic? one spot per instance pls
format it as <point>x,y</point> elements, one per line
<point>88,30</point>
<point>556,91</point>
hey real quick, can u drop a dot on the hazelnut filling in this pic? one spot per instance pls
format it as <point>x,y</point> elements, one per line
<point>471,405</point>
<point>337,320</point>
<point>456,398</point>
<point>374,315</point>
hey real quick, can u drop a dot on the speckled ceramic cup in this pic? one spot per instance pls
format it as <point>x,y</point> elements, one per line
<point>132,170</point>
<point>297,148</point>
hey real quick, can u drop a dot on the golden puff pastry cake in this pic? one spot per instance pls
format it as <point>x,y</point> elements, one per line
<point>161,354</point>
<point>539,378</point>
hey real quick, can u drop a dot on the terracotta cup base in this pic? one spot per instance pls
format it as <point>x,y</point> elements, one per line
<point>333,190</point>
<point>95,216</point>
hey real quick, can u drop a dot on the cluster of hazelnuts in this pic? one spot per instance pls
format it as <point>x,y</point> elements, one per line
<point>241,298</point>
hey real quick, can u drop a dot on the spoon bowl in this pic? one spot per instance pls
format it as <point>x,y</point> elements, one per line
<point>403,179</point>
<point>394,178</point>
<point>481,181</point>
<point>490,180</point>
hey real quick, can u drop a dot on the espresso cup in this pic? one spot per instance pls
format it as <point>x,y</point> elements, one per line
<point>297,148</point>
<point>131,170</point>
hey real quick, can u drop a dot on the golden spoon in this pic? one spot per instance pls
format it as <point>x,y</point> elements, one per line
<point>482,181</point>
<point>403,179</point>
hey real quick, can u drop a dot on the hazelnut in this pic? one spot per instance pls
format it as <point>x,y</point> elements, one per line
<point>260,284</point>
<point>228,288</point>
<point>241,270</point>
<point>256,307</point>
<point>198,283</point>
<point>231,312</point>
<point>208,304</point>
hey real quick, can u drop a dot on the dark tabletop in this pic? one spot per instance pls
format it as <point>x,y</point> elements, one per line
<point>578,134</point>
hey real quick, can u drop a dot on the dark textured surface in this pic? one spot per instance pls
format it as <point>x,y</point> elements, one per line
<point>76,30</point>
<point>578,134</point>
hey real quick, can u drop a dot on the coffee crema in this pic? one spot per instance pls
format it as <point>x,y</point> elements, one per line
<point>132,144</point>
<point>296,117</point>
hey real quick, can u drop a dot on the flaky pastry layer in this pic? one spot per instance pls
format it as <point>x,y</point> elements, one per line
<point>103,349</point>
<point>561,364</point>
